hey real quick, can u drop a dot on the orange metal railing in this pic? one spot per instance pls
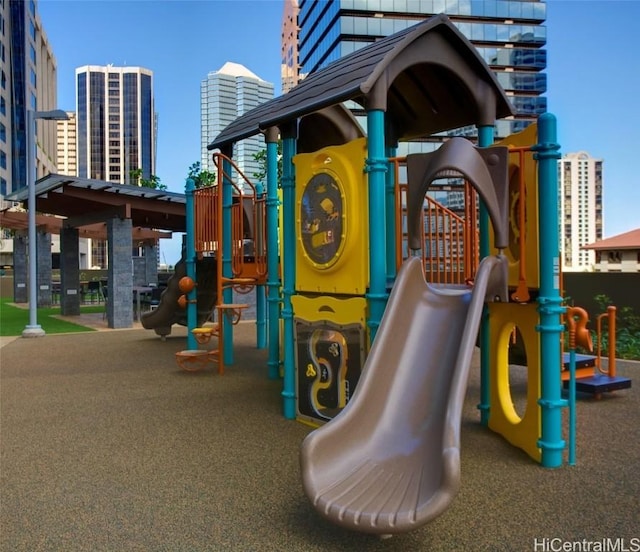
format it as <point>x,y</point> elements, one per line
<point>450,244</point>
<point>248,237</point>
<point>449,239</point>
<point>610,317</point>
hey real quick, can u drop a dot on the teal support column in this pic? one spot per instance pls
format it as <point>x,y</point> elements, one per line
<point>376,167</point>
<point>485,139</point>
<point>273,257</point>
<point>549,301</point>
<point>261,307</point>
<point>227,272</point>
<point>390,208</point>
<point>289,273</point>
<point>190,262</point>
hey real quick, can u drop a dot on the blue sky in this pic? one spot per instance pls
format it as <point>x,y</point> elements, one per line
<point>593,74</point>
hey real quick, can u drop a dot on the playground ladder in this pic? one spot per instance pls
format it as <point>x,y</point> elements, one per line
<point>243,253</point>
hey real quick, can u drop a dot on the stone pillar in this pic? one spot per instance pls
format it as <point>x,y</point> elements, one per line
<point>150,264</point>
<point>139,275</point>
<point>43,248</point>
<point>20,269</point>
<point>120,278</point>
<point>69,271</point>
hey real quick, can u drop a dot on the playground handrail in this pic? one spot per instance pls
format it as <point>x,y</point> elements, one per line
<point>610,316</point>
<point>207,214</point>
<point>454,259</point>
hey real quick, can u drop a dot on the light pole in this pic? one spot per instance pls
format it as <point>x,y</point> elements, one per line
<point>33,329</point>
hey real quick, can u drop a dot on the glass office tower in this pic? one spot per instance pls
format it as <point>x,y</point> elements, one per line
<point>116,130</point>
<point>28,77</point>
<point>508,34</point>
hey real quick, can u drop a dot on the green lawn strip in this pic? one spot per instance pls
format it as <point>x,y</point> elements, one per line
<point>14,319</point>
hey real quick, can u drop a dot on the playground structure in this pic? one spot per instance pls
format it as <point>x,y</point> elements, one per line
<point>236,208</point>
<point>351,229</point>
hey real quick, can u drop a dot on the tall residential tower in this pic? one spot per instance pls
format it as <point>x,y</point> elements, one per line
<point>581,214</point>
<point>224,96</point>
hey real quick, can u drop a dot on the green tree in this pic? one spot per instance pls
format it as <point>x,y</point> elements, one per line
<point>261,159</point>
<point>201,177</point>
<point>152,182</point>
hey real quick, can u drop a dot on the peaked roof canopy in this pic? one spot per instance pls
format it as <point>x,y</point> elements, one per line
<point>85,201</point>
<point>427,78</point>
<point>627,240</point>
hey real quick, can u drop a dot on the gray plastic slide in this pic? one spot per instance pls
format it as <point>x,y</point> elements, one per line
<point>390,461</point>
<point>169,312</point>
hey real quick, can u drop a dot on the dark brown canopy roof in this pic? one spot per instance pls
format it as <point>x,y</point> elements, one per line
<point>18,220</point>
<point>86,201</point>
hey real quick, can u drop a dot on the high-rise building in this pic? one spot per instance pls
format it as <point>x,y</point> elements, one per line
<point>67,155</point>
<point>289,68</point>
<point>116,123</point>
<point>581,214</point>
<point>224,96</point>
<point>115,129</point>
<point>27,82</point>
<point>508,34</point>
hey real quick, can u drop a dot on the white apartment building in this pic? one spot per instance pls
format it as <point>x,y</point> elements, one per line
<point>581,211</point>
<point>224,96</point>
<point>66,154</point>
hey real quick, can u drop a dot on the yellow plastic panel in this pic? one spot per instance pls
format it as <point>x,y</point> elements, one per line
<point>531,273</point>
<point>522,432</point>
<point>334,309</point>
<point>330,351</point>
<point>332,220</point>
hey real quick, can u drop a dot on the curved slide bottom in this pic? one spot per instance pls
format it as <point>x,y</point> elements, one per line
<point>169,312</point>
<point>390,461</point>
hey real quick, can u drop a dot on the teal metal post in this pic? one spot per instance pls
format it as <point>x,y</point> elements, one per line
<point>485,139</point>
<point>572,406</point>
<point>376,167</point>
<point>289,273</point>
<point>273,257</point>
<point>549,301</point>
<point>227,271</point>
<point>190,262</point>
<point>261,307</point>
<point>390,208</point>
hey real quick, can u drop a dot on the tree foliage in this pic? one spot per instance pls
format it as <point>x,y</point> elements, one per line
<point>261,159</point>
<point>201,177</point>
<point>152,182</point>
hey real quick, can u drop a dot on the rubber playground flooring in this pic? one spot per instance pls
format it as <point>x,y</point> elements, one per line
<point>106,445</point>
